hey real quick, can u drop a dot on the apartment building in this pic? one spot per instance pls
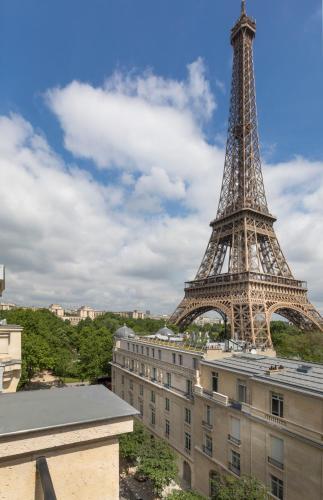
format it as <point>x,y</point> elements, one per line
<point>237,413</point>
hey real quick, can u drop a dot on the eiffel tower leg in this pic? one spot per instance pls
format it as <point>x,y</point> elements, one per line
<point>251,323</point>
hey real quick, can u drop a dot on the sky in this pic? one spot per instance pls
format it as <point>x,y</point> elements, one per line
<point>113,118</point>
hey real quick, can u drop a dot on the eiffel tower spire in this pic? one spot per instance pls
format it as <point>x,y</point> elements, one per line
<point>244,275</point>
<point>243,185</point>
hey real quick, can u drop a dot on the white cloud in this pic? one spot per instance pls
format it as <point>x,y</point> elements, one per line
<point>68,238</point>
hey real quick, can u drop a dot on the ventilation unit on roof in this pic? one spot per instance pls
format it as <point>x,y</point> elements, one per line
<point>303,369</point>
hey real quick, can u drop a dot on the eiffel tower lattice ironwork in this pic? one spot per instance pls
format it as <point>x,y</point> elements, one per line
<point>244,274</point>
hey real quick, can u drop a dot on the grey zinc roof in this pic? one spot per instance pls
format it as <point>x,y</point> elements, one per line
<point>256,366</point>
<point>29,411</point>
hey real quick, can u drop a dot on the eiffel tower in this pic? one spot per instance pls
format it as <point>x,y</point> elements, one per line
<point>244,275</point>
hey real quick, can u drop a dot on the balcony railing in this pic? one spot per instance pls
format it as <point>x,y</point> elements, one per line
<point>234,469</point>
<point>276,463</point>
<point>207,451</point>
<point>305,432</point>
<point>246,276</point>
<point>234,440</point>
<point>207,424</point>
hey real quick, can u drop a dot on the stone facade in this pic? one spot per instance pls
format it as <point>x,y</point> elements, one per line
<point>236,414</point>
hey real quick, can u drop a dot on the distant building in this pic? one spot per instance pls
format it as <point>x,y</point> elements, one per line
<point>7,307</point>
<point>57,310</point>
<point>131,314</point>
<point>74,317</point>
<point>204,320</point>
<point>10,349</point>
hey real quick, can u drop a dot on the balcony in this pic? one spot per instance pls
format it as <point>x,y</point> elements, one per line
<point>211,395</point>
<point>207,425</point>
<point>234,440</point>
<point>207,451</point>
<point>233,468</point>
<point>276,463</point>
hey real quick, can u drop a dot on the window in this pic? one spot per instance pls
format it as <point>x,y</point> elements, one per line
<point>276,452</point>
<point>147,351</point>
<point>195,363</point>
<point>167,404</point>
<point>174,357</point>
<point>123,361</point>
<point>277,487</point>
<point>141,390</point>
<point>208,446</point>
<point>137,348</point>
<point>187,440</point>
<point>141,408</point>
<point>133,347</point>
<point>142,349</point>
<point>167,428</point>
<point>215,379</point>
<point>168,380</point>
<point>132,364</point>
<point>131,385</point>
<point>277,405</point>
<point>122,394</point>
<point>142,369</point>
<point>131,398</point>
<point>242,391</point>
<point>159,354</point>
<point>188,416</point>
<point>154,377</point>
<point>122,379</point>
<point>128,344</point>
<point>213,483</point>
<point>153,416</point>
<point>180,359</point>
<point>234,430</point>
<point>235,462</point>
<point>152,397</point>
<point>153,352</point>
<point>208,415</point>
<point>189,390</point>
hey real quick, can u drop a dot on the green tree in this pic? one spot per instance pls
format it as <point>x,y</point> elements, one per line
<point>185,495</point>
<point>245,488</point>
<point>153,457</point>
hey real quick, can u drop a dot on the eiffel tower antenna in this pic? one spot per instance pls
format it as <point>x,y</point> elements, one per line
<point>244,275</point>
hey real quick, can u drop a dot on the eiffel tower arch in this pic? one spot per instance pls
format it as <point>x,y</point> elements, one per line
<point>244,274</point>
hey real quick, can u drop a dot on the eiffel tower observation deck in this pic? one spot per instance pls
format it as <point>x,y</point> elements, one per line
<point>244,275</point>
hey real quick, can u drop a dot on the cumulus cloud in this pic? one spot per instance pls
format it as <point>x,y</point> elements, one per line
<point>131,243</point>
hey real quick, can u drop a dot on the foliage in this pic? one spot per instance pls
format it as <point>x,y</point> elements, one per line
<point>153,457</point>
<point>244,488</point>
<point>290,342</point>
<point>185,495</point>
<point>78,352</point>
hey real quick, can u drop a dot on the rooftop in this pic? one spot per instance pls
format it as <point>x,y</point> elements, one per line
<point>291,374</point>
<point>30,411</point>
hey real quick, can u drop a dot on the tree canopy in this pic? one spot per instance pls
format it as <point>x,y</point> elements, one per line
<point>153,456</point>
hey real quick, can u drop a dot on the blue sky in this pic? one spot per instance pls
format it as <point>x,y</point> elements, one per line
<point>45,43</point>
<point>114,178</point>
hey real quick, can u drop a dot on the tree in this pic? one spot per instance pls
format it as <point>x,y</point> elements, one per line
<point>185,495</point>
<point>245,488</point>
<point>153,457</point>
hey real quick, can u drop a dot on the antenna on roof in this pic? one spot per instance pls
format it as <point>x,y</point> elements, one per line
<point>243,7</point>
